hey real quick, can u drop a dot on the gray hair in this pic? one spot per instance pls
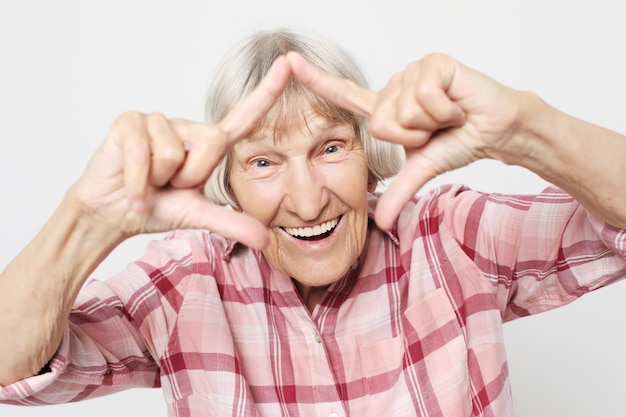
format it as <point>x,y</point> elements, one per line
<point>244,68</point>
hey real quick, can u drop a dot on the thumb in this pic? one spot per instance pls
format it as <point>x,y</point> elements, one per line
<point>199,213</point>
<point>417,171</point>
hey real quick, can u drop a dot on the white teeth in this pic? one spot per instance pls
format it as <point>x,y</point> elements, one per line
<point>313,231</point>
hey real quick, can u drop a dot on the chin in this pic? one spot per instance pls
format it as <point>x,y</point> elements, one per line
<point>321,278</point>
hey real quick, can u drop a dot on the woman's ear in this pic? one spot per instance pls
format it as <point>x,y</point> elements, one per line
<point>372,183</point>
<point>235,204</point>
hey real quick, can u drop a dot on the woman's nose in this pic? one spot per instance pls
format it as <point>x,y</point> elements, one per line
<point>306,194</point>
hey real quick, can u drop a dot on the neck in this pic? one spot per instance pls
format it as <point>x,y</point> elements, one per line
<point>310,295</point>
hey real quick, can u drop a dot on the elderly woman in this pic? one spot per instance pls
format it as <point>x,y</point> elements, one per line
<point>313,294</point>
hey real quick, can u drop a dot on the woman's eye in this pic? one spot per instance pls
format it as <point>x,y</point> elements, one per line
<point>331,149</point>
<point>261,163</point>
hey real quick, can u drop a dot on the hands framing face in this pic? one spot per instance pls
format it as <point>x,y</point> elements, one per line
<point>148,174</point>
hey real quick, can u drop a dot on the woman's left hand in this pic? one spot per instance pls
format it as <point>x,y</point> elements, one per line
<point>444,114</point>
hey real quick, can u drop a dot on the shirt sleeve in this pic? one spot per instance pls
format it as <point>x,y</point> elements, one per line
<point>116,332</point>
<point>539,251</point>
<point>101,352</point>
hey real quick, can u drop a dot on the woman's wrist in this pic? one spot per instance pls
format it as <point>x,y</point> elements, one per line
<point>98,230</point>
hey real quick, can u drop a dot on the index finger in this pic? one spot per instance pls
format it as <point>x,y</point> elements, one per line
<point>246,114</point>
<point>341,92</point>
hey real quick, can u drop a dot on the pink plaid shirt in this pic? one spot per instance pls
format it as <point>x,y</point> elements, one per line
<point>415,329</point>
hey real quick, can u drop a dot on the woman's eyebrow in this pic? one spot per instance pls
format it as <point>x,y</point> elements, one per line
<point>318,129</point>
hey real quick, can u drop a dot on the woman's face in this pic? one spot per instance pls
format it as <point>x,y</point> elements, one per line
<point>309,186</point>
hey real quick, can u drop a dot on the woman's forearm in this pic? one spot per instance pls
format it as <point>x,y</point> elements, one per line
<point>587,161</point>
<point>38,288</point>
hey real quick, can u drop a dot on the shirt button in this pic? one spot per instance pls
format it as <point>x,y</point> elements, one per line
<point>333,415</point>
<point>318,339</point>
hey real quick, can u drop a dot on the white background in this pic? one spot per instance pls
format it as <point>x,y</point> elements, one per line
<point>68,68</point>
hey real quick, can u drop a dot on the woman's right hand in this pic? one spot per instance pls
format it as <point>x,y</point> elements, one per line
<point>148,174</point>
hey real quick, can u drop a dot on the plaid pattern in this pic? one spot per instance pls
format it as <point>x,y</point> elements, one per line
<point>415,329</point>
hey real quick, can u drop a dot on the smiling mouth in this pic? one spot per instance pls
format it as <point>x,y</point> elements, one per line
<point>316,232</point>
